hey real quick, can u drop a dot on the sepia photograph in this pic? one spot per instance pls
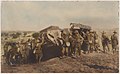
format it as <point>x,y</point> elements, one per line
<point>59,36</point>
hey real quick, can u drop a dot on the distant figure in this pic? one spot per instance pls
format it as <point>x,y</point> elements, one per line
<point>114,41</point>
<point>96,42</point>
<point>105,42</point>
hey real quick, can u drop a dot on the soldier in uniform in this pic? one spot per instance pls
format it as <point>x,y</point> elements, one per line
<point>78,42</point>
<point>18,56</point>
<point>85,44</point>
<point>105,42</point>
<point>72,45</point>
<point>91,41</point>
<point>114,41</point>
<point>32,55</point>
<point>12,54</point>
<point>6,48</point>
<point>37,52</point>
<point>27,50</point>
<point>38,49</point>
<point>23,49</point>
<point>96,42</point>
<point>7,53</point>
<point>65,40</point>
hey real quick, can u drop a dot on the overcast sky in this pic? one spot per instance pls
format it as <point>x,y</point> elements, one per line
<point>36,16</point>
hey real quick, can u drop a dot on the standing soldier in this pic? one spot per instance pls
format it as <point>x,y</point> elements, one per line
<point>7,54</point>
<point>34,43</point>
<point>96,41</point>
<point>63,45</point>
<point>38,49</point>
<point>12,55</point>
<point>91,41</point>
<point>6,48</point>
<point>23,51</point>
<point>72,45</point>
<point>66,43</point>
<point>105,42</point>
<point>31,55</point>
<point>114,41</point>
<point>28,48</point>
<point>85,44</point>
<point>18,55</point>
<point>78,42</point>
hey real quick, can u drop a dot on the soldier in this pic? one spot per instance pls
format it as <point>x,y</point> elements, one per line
<point>32,55</point>
<point>28,47</point>
<point>105,42</point>
<point>7,54</point>
<point>72,44</point>
<point>65,43</point>
<point>23,51</point>
<point>114,41</point>
<point>18,54</point>
<point>38,50</point>
<point>6,48</point>
<point>91,41</point>
<point>85,44</point>
<point>78,42</point>
<point>12,54</point>
<point>96,42</point>
<point>37,53</point>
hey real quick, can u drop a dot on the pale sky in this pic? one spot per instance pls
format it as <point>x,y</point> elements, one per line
<point>35,16</point>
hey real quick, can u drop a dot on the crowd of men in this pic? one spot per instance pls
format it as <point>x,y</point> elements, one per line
<point>72,44</point>
<point>88,42</point>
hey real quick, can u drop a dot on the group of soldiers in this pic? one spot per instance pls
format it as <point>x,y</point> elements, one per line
<point>75,42</point>
<point>113,41</point>
<point>72,44</point>
<point>23,52</point>
<point>87,42</point>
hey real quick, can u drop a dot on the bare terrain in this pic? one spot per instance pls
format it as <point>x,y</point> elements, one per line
<point>87,63</point>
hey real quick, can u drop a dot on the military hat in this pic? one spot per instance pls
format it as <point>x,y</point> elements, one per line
<point>114,32</point>
<point>61,30</point>
<point>87,31</point>
<point>76,32</point>
<point>91,31</point>
<point>103,32</point>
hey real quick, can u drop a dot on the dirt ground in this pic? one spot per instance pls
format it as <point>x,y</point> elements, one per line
<point>87,63</point>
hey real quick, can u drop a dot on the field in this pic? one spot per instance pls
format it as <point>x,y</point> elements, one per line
<point>87,63</point>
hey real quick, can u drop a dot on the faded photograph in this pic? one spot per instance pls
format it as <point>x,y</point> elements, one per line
<point>59,37</point>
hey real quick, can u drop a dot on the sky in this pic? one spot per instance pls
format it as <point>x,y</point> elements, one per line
<point>35,16</point>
